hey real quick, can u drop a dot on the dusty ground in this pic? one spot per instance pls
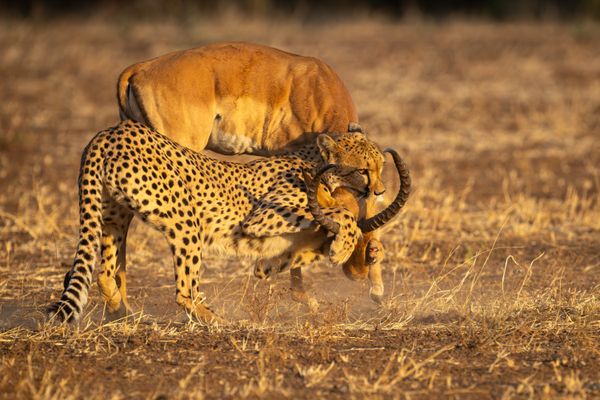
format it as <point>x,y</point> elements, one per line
<point>491,272</point>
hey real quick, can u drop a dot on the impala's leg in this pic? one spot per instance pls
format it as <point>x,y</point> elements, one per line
<point>374,254</point>
<point>116,222</point>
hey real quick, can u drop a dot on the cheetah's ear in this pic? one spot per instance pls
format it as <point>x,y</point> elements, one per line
<point>328,148</point>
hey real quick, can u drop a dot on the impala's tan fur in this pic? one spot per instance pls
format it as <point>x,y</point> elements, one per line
<point>236,98</point>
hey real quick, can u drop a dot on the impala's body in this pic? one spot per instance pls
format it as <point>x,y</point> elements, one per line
<point>236,98</point>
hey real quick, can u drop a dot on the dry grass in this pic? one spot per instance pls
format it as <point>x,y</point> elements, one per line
<point>491,272</point>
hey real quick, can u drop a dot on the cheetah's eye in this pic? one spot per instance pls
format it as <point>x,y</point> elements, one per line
<point>364,172</point>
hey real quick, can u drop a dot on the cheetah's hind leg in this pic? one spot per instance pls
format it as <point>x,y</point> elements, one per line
<point>111,278</point>
<point>299,293</point>
<point>266,268</point>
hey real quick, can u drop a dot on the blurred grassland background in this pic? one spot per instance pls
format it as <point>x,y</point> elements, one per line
<point>309,9</point>
<point>491,271</point>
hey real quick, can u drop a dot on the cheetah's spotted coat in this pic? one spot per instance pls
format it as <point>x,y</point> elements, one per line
<point>256,210</point>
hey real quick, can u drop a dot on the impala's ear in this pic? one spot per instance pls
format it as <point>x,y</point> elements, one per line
<point>327,147</point>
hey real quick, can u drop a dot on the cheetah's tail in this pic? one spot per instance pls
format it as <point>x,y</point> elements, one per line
<point>79,278</point>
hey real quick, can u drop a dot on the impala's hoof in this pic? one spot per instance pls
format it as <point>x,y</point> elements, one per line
<point>376,294</point>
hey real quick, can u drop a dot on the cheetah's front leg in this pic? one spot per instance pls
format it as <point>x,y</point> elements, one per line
<point>344,242</point>
<point>187,260</point>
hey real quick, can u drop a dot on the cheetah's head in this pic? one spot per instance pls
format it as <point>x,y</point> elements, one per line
<point>359,163</point>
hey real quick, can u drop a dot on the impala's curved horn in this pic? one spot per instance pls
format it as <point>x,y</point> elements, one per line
<point>377,221</point>
<point>313,204</point>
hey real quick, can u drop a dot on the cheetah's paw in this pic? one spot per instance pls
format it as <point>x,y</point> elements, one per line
<point>341,249</point>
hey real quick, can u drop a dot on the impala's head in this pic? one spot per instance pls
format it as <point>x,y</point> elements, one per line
<point>358,161</point>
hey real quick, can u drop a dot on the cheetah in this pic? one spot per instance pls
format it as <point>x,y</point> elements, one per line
<point>364,262</point>
<point>260,210</point>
